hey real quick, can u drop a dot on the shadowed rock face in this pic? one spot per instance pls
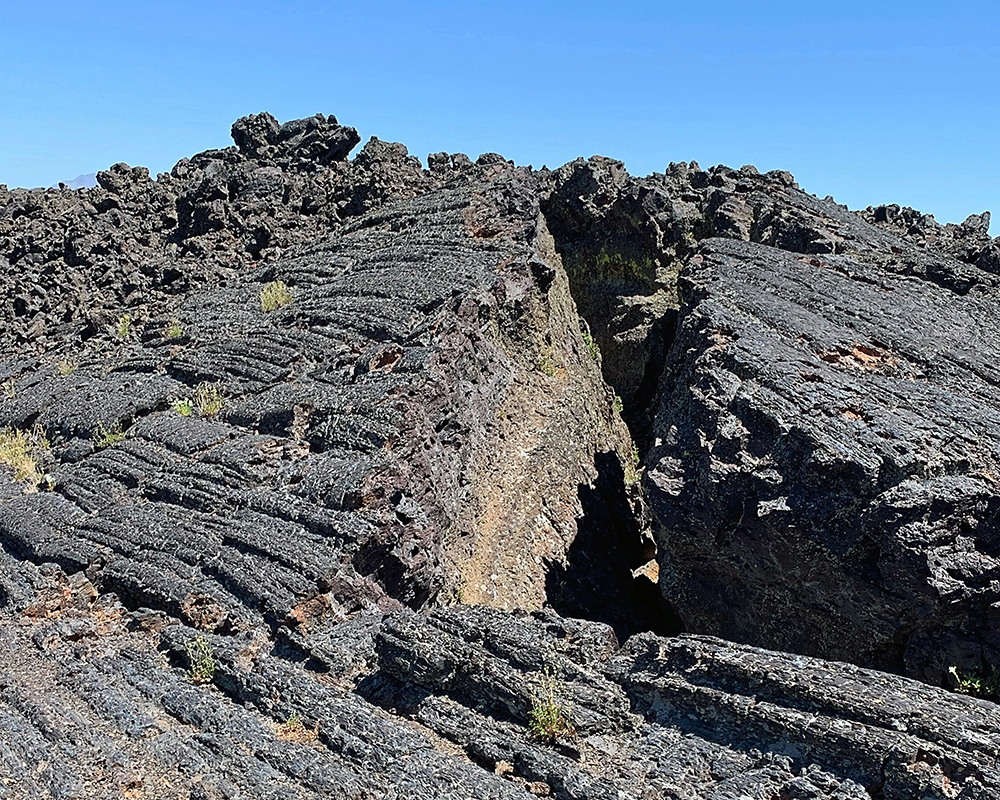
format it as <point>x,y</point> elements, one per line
<point>315,550</point>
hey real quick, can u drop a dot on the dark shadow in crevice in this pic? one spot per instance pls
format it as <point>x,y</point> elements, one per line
<point>596,581</point>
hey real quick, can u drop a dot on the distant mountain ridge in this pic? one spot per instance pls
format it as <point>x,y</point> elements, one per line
<point>86,181</point>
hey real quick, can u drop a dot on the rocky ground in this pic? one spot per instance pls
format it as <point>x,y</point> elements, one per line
<point>332,477</point>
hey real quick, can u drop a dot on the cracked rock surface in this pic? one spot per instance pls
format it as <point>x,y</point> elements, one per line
<point>362,542</point>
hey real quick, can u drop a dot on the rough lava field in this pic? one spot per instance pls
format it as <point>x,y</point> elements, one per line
<point>341,477</point>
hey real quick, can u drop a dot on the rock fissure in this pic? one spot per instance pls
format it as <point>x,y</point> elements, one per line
<point>418,505</point>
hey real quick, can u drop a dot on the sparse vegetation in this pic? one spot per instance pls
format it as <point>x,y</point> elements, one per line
<point>105,437</point>
<point>184,406</point>
<point>275,294</point>
<point>619,405</point>
<point>173,329</point>
<point>66,367</point>
<point>294,730</point>
<point>124,326</point>
<point>21,451</point>
<point>617,265</point>
<point>209,399</point>
<point>549,717</point>
<point>633,472</point>
<point>547,362</point>
<point>592,348</point>
<point>985,685</point>
<point>201,660</point>
<point>608,265</point>
<point>10,388</point>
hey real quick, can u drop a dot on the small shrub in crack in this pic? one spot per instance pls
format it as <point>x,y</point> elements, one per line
<point>549,717</point>
<point>105,437</point>
<point>633,470</point>
<point>209,399</point>
<point>184,406</point>
<point>547,363</point>
<point>275,294</point>
<point>985,685</point>
<point>173,329</point>
<point>201,660</point>
<point>66,367</point>
<point>124,326</point>
<point>294,730</point>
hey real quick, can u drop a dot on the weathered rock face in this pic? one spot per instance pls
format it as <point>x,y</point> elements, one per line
<point>828,458</point>
<point>622,242</point>
<point>422,415</point>
<point>822,432</point>
<point>287,547</point>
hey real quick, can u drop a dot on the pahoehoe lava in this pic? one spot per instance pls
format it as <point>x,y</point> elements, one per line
<point>328,477</point>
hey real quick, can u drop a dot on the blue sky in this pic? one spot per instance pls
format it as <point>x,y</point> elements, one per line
<point>868,102</point>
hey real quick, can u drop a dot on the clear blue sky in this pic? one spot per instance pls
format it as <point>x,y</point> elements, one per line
<point>868,101</point>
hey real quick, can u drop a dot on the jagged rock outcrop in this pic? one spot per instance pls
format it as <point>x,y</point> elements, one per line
<point>72,261</point>
<point>969,242</point>
<point>294,442</point>
<point>423,414</point>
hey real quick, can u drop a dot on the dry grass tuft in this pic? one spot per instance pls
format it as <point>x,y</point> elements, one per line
<point>294,730</point>
<point>21,451</point>
<point>209,398</point>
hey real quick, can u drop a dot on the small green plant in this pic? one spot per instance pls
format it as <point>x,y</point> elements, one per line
<point>547,362</point>
<point>184,406</point>
<point>10,388</point>
<point>549,718</point>
<point>66,367</point>
<point>592,348</point>
<point>209,399</point>
<point>124,326</point>
<point>173,329</point>
<point>201,660</point>
<point>294,730</point>
<point>275,294</point>
<point>619,405</point>
<point>21,451</point>
<point>105,437</point>
<point>632,470</point>
<point>986,686</point>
